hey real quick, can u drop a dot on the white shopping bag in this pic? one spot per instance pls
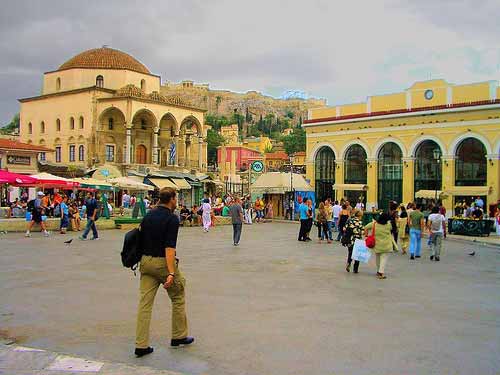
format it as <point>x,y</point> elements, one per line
<point>360,251</point>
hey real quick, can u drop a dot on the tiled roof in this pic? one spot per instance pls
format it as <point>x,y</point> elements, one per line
<point>105,58</point>
<point>403,111</point>
<point>277,155</point>
<point>15,145</point>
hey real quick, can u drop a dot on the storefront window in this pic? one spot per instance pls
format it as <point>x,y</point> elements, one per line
<point>470,163</point>
<point>390,175</point>
<point>324,166</point>
<point>427,169</point>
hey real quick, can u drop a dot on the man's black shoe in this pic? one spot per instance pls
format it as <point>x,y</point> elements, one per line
<point>412,257</point>
<point>432,257</point>
<point>185,341</point>
<point>417,256</point>
<point>437,259</point>
<point>142,352</point>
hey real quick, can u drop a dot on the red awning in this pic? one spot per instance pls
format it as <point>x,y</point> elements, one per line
<point>17,179</point>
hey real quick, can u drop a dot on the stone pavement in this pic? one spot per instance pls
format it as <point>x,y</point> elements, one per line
<point>273,305</point>
<point>21,360</point>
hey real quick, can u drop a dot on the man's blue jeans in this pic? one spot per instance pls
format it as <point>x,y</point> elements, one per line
<point>415,242</point>
<point>330,225</point>
<point>90,225</point>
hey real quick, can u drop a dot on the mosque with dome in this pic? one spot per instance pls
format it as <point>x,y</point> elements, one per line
<point>103,106</point>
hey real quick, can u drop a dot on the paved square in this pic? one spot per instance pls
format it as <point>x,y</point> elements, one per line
<point>270,306</point>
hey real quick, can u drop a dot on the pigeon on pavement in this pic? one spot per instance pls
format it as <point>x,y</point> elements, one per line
<point>472,254</point>
<point>68,242</point>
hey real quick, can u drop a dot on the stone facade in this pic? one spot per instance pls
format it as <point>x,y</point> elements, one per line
<point>103,106</point>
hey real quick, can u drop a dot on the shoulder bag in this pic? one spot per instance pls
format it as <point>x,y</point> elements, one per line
<point>370,239</point>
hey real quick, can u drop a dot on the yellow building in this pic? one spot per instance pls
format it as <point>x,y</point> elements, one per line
<point>103,106</point>
<point>230,134</point>
<point>433,136</point>
<point>261,144</point>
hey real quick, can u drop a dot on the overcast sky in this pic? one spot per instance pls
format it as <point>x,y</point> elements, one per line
<point>339,50</point>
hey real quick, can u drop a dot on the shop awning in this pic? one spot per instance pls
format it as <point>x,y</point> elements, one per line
<point>129,183</point>
<point>48,180</point>
<point>93,183</point>
<point>430,194</point>
<point>468,190</point>
<point>358,187</point>
<point>279,183</point>
<point>16,179</point>
<point>181,183</point>
<point>160,183</point>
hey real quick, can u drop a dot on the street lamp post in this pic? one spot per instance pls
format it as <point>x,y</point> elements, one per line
<point>292,210</point>
<point>437,154</point>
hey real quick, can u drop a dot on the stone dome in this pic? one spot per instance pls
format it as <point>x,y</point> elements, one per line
<point>104,58</point>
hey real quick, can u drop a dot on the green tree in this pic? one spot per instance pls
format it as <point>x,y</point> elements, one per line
<point>218,100</point>
<point>295,142</point>
<point>289,114</point>
<point>214,140</point>
<point>12,126</point>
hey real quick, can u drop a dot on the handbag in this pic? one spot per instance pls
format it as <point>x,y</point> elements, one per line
<point>370,239</point>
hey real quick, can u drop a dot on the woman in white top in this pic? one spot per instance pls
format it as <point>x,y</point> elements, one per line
<point>206,208</point>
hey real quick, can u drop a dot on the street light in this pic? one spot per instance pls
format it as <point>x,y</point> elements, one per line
<point>437,154</point>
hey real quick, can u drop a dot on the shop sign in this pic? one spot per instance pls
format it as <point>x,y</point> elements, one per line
<point>18,160</point>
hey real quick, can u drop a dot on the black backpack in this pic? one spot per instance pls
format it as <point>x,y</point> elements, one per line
<point>132,249</point>
<point>31,206</point>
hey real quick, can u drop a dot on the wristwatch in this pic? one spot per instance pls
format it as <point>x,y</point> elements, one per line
<point>171,274</point>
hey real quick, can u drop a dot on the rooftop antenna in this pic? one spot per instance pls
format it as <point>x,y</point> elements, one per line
<point>105,45</point>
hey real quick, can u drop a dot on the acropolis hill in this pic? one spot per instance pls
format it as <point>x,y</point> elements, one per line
<point>225,102</point>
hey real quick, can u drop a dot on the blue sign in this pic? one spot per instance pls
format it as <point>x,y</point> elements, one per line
<point>104,172</point>
<point>172,151</point>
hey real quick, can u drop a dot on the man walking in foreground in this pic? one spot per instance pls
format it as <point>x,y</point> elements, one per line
<point>236,213</point>
<point>159,265</point>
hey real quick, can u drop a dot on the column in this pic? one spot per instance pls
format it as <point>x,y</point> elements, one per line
<point>408,180</point>
<point>339,177</point>
<point>448,179</point>
<point>176,142</point>
<point>372,182</point>
<point>200,153</point>
<point>155,157</point>
<point>493,178</point>
<point>187,156</point>
<point>128,154</point>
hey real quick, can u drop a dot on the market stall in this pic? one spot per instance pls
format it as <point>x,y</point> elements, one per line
<point>274,186</point>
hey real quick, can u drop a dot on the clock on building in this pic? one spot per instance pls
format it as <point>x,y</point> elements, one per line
<point>429,94</point>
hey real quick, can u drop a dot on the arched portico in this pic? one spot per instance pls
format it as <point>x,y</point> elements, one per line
<point>168,138</point>
<point>190,133</point>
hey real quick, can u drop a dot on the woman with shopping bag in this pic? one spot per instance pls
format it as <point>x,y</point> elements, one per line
<point>384,244</point>
<point>353,231</point>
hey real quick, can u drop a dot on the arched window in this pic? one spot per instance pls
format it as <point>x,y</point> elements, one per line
<point>42,127</point>
<point>58,125</point>
<point>71,123</point>
<point>355,165</point>
<point>110,123</point>
<point>81,153</point>
<point>470,163</point>
<point>99,81</point>
<point>81,122</point>
<point>30,128</point>
<point>390,175</point>
<point>324,166</point>
<point>58,84</point>
<point>355,172</point>
<point>427,169</point>
<point>143,84</point>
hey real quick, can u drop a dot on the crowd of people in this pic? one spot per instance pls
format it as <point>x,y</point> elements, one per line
<point>71,210</point>
<point>399,228</point>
